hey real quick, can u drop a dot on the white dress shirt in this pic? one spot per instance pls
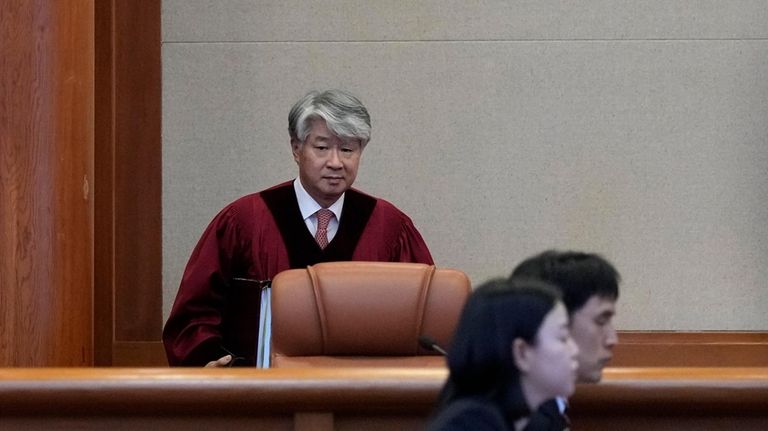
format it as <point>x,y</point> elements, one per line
<point>309,207</point>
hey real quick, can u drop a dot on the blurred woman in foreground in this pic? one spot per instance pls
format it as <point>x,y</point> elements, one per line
<point>511,352</point>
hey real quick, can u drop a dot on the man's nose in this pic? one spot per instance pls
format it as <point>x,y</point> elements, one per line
<point>574,347</point>
<point>334,161</point>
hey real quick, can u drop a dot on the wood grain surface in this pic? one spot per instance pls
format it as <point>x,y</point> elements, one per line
<point>46,182</point>
<point>357,398</point>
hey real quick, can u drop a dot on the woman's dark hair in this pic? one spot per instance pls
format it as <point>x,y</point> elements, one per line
<point>480,359</point>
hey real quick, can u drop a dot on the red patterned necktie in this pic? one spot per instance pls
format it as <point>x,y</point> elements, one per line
<point>323,217</point>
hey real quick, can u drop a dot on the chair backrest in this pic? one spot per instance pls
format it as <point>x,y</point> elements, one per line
<point>364,313</point>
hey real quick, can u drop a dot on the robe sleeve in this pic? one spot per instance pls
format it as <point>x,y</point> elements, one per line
<point>193,333</point>
<point>411,246</point>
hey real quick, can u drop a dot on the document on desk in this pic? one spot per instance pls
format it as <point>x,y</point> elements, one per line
<point>265,329</point>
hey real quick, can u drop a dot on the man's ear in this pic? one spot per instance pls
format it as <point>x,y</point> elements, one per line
<point>521,353</point>
<point>295,146</point>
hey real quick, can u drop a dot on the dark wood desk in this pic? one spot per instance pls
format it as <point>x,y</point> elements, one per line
<point>355,399</point>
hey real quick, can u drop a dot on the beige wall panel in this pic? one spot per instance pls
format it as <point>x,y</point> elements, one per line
<point>651,152</point>
<point>355,20</point>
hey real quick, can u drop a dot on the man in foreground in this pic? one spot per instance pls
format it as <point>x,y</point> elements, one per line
<point>590,288</point>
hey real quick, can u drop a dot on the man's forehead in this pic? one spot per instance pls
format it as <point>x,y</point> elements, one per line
<point>332,138</point>
<point>326,137</point>
<point>597,305</point>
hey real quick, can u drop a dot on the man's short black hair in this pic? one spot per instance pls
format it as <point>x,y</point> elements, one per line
<point>579,275</point>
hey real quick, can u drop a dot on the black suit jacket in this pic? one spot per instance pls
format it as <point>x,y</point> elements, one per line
<point>548,418</point>
<point>469,414</point>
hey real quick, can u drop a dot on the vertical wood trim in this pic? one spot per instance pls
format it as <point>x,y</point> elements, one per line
<point>128,264</point>
<point>137,171</point>
<point>138,224</point>
<point>46,175</point>
<point>104,259</point>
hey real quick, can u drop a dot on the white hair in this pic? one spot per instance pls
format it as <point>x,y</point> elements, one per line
<point>343,113</point>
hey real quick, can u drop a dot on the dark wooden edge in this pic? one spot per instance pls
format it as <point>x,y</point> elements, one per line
<point>215,391</point>
<point>138,296</point>
<point>103,277</point>
<point>691,349</point>
<point>662,391</point>
<point>693,337</point>
<point>128,189</point>
<point>200,391</point>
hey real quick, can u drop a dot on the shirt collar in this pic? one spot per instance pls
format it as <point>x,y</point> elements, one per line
<point>562,404</point>
<point>309,206</point>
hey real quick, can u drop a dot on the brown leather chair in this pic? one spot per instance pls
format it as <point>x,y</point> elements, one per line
<point>364,314</point>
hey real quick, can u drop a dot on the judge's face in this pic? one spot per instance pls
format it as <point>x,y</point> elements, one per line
<point>548,367</point>
<point>327,164</point>
<point>592,329</point>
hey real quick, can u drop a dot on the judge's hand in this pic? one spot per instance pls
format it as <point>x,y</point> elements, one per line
<point>219,363</point>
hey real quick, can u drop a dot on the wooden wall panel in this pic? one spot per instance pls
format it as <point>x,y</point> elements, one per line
<point>46,179</point>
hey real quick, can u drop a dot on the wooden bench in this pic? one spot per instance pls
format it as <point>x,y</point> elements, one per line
<point>354,398</point>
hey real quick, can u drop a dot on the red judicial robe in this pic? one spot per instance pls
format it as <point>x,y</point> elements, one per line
<point>256,237</point>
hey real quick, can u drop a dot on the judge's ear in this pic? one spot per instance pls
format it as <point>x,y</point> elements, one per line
<point>521,353</point>
<point>295,147</point>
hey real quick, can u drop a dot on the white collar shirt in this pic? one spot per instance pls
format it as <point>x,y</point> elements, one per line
<point>309,207</point>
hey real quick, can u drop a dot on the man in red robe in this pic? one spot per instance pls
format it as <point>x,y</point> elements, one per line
<point>215,315</point>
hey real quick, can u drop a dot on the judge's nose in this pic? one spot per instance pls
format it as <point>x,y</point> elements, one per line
<point>334,161</point>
